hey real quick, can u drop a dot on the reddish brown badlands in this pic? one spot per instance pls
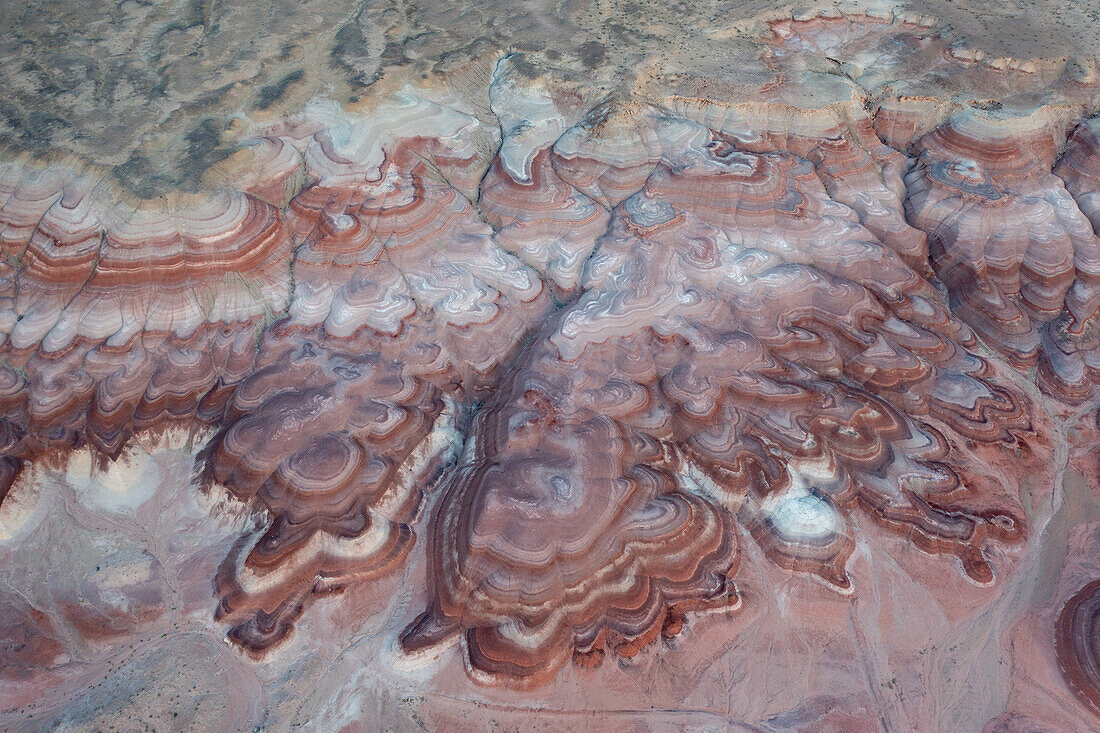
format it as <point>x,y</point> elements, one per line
<point>580,370</point>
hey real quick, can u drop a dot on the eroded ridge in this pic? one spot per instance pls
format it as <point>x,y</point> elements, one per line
<point>1005,236</point>
<point>1019,257</point>
<point>119,319</point>
<point>736,319</point>
<point>685,315</point>
<point>402,298</point>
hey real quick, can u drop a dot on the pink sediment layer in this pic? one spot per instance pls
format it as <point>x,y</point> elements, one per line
<point>745,294</point>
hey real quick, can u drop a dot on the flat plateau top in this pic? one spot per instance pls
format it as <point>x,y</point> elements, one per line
<point>149,90</point>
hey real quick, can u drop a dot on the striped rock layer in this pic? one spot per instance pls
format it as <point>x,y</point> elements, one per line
<point>623,339</point>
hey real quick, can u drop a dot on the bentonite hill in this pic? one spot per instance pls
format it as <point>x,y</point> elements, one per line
<point>554,366</point>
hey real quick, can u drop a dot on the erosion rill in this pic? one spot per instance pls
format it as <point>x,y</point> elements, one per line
<point>742,377</point>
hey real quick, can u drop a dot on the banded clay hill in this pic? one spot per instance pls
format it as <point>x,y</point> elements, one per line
<point>604,366</point>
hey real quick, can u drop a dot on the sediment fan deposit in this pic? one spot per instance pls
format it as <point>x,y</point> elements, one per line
<point>586,342</point>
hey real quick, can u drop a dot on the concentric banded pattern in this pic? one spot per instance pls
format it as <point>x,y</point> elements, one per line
<point>679,324</point>
<point>719,312</point>
<point>119,319</point>
<point>1020,259</point>
<point>1077,638</point>
<point>401,297</point>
